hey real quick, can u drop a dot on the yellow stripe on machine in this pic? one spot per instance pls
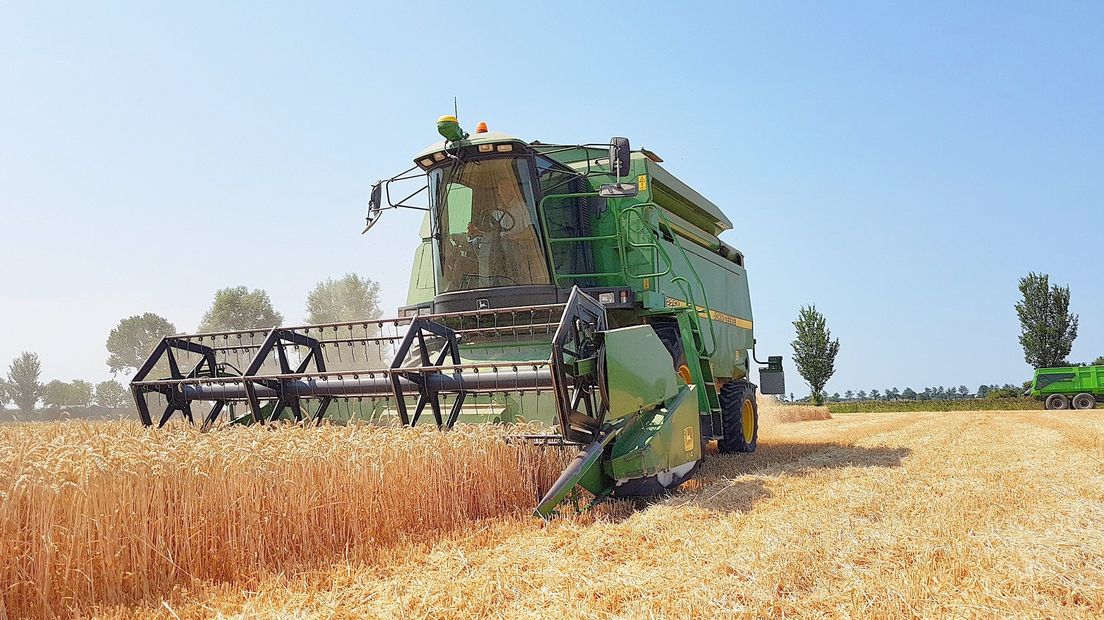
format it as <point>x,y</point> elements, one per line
<point>716,315</point>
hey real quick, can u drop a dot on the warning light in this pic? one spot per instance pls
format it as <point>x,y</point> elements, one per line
<point>481,127</point>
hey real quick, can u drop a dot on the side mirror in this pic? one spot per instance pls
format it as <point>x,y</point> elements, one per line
<point>374,210</point>
<point>618,190</point>
<point>619,154</point>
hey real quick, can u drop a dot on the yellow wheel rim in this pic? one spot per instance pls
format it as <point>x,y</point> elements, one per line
<point>747,418</point>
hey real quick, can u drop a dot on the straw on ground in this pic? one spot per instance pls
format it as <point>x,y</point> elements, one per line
<point>865,515</point>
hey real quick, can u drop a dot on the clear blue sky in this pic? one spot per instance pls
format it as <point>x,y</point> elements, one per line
<point>898,164</point>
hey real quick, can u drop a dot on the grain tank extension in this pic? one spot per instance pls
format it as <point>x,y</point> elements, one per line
<point>579,287</point>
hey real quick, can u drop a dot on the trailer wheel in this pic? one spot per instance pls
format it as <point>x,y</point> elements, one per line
<point>1084,401</point>
<point>1057,402</point>
<point>739,418</point>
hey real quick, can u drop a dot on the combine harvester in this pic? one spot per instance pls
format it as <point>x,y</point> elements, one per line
<point>582,287</point>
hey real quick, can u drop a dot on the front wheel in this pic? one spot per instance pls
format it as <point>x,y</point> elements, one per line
<point>1056,402</point>
<point>739,417</point>
<point>1084,401</point>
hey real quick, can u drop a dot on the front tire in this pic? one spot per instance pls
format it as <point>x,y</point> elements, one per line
<point>739,418</point>
<point>1084,401</point>
<point>1057,402</point>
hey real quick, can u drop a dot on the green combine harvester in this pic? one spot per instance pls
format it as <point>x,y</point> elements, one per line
<point>1077,387</point>
<point>581,289</point>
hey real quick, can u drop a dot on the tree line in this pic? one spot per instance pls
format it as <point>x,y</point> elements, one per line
<point>235,308</point>
<point>961,392</point>
<point>1047,332</point>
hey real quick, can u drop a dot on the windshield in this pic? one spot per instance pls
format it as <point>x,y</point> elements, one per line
<point>485,219</point>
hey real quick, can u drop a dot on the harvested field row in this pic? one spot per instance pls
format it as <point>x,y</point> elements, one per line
<point>868,515</point>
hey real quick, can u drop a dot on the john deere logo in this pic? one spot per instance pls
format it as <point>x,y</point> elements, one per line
<point>482,304</point>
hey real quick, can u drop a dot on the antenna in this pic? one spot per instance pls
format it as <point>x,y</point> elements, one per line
<point>455,109</point>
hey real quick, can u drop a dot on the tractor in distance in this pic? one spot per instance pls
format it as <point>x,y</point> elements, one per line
<point>581,289</point>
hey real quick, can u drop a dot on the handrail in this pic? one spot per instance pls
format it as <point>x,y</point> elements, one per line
<point>624,223</point>
<point>624,242</point>
<point>661,220</point>
<point>549,240</point>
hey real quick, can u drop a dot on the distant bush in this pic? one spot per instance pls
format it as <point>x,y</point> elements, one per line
<point>971,404</point>
<point>1005,392</point>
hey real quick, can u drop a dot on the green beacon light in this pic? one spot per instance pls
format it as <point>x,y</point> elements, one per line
<point>449,128</point>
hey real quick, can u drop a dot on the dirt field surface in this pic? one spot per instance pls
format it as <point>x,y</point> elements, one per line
<point>865,515</point>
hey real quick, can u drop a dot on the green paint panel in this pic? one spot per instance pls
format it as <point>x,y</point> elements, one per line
<point>659,440</point>
<point>1069,380</point>
<point>638,369</point>
<point>422,283</point>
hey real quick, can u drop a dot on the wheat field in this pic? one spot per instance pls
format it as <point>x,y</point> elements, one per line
<point>911,515</point>
<point>100,514</point>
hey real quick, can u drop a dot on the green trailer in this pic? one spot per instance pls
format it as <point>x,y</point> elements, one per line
<point>578,288</point>
<point>1076,387</point>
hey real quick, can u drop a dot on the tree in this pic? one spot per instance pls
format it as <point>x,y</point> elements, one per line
<point>1006,391</point>
<point>875,395</point>
<point>814,350</point>
<point>908,394</point>
<point>963,391</point>
<point>238,308</point>
<point>58,394</point>
<point>349,299</point>
<point>861,395</point>
<point>5,394</point>
<point>133,338</point>
<point>848,394</point>
<point>1047,328</point>
<point>82,393</point>
<point>983,390</point>
<point>55,394</point>
<point>1098,361</point>
<point>23,381</point>
<point>111,394</point>
<point>893,394</point>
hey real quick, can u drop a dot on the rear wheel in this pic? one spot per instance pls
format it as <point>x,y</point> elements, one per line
<point>739,417</point>
<point>1084,401</point>
<point>1057,402</point>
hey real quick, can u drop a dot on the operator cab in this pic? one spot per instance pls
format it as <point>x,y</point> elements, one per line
<point>501,214</point>
<point>488,237</point>
<point>484,220</point>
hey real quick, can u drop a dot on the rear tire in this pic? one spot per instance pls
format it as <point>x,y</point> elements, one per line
<point>739,418</point>
<point>1057,402</point>
<point>1084,401</point>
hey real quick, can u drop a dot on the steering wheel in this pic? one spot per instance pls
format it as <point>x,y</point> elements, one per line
<point>496,220</point>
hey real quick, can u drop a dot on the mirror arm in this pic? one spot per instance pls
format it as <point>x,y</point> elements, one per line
<point>391,203</point>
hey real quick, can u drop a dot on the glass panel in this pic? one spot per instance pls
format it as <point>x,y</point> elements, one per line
<point>488,235</point>
<point>566,218</point>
